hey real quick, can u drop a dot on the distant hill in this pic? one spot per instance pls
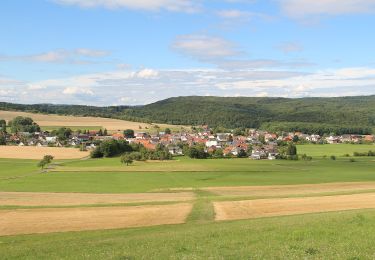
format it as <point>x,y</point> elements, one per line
<point>319,115</point>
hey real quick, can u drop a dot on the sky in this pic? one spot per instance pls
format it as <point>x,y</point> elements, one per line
<point>134,52</point>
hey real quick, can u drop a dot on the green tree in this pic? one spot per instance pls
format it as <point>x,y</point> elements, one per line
<point>23,124</point>
<point>218,153</point>
<point>242,154</point>
<point>3,125</point>
<point>47,159</point>
<point>129,133</point>
<point>3,140</point>
<point>126,159</point>
<point>168,131</point>
<point>291,150</point>
<point>295,138</point>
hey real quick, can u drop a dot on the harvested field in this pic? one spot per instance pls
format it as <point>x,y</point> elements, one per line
<point>290,190</point>
<point>56,120</point>
<point>231,210</point>
<point>68,199</point>
<point>29,221</point>
<point>34,152</point>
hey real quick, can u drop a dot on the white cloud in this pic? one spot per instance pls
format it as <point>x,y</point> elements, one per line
<point>75,56</point>
<point>77,90</point>
<point>204,47</point>
<point>289,47</point>
<point>187,6</point>
<point>234,14</point>
<point>147,73</point>
<point>308,8</point>
<point>148,85</point>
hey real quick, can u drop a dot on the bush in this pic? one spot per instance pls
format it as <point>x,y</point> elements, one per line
<point>111,148</point>
<point>333,157</point>
<point>306,158</point>
<point>96,153</point>
<point>352,160</point>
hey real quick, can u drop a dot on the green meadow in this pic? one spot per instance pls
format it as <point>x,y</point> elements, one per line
<point>335,235</point>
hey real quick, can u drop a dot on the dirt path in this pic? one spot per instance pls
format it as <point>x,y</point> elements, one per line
<point>67,199</point>
<point>29,221</point>
<point>285,190</point>
<point>230,210</point>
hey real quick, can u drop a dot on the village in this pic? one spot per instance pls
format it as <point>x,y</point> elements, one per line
<point>253,143</point>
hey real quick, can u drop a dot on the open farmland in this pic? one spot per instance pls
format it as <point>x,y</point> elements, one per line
<point>50,121</point>
<point>304,204</point>
<point>35,152</point>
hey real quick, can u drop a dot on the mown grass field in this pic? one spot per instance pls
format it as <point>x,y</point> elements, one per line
<point>335,235</point>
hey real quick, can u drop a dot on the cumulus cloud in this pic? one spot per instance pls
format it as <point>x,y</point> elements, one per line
<point>187,6</point>
<point>78,90</point>
<point>148,85</point>
<point>309,8</point>
<point>147,73</point>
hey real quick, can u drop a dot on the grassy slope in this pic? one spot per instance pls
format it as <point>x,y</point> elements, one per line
<point>340,235</point>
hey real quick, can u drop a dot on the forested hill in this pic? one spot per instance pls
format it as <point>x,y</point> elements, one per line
<point>282,113</point>
<point>305,114</point>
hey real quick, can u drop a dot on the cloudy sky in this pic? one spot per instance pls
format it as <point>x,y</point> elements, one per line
<point>131,52</point>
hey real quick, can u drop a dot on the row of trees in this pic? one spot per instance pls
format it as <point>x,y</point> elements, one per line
<point>315,128</point>
<point>199,152</point>
<point>23,124</point>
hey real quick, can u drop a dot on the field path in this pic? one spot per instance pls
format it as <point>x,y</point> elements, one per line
<point>231,210</point>
<point>30,221</point>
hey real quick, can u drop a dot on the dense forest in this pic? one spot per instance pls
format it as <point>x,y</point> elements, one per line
<point>340,114</point>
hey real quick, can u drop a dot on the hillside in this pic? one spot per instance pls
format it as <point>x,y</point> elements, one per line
<point>321,115</point>
<point>283,113</point>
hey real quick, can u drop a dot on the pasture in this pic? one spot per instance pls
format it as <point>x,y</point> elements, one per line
<point>192,209</point>
<point>51,122</point>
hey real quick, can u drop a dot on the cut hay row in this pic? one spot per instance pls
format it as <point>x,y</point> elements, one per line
<point>232,210</point>
<point>35,152</point>
<point>30,221</point>
<point>70,199</point>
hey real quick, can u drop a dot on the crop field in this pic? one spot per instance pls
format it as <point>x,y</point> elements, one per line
<point>51,122</point>
<point>35,152</point>
<point>191,209</point>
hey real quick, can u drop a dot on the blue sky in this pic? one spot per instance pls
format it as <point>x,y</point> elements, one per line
<point>126,52</point>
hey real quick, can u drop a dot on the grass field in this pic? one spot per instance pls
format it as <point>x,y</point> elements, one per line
<point>333,149</point>
<point>335,235</point>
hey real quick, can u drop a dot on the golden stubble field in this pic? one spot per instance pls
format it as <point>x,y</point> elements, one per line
<point>30,221</point>
<point>71,121</point>
<point>35,152</point>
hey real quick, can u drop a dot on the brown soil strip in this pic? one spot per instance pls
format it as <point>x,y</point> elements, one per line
<point>30,221</point>
<point>231,210</point>
<point>285,190</point>
<point>34,152</point>
<point>68,199</point>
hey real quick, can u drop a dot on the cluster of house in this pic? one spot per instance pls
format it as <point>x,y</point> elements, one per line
<point>263,144</point>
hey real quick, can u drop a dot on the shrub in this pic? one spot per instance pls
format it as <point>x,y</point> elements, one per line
<point>352,160</point>
<point>333,157</point>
